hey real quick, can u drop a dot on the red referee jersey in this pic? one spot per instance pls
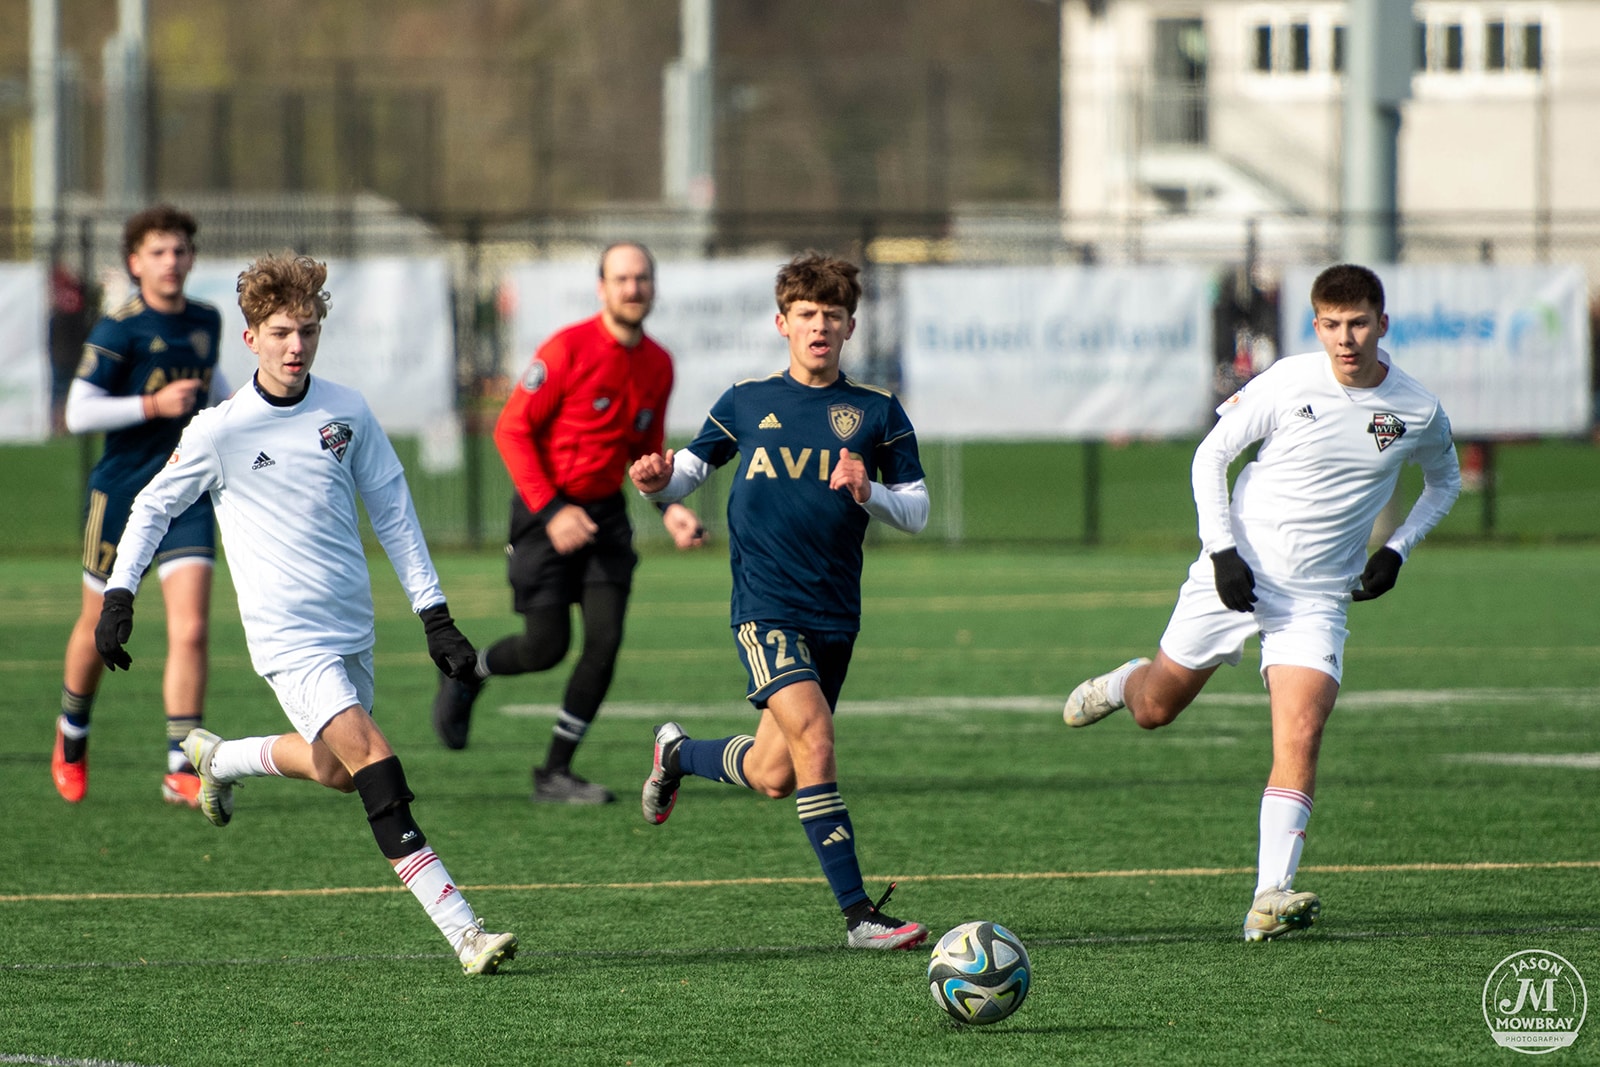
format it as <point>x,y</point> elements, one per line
<point>585,408</point>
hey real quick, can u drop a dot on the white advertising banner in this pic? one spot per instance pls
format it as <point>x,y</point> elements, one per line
<point>1057,352</point>
<point>716,318</point>
<point>389,333</point>
<point>25,357</point>
<point>1505,348</point>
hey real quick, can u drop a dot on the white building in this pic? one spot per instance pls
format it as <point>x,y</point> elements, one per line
<point>1181,120</point>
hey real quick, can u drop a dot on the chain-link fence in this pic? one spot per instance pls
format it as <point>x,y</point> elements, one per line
<point>1092,504</point>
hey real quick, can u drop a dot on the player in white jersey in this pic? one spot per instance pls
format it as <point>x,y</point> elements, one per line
<point>1282,558</point>
<point>284,460</point>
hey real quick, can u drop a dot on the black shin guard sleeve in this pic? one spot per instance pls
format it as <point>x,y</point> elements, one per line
<point>387,798</point>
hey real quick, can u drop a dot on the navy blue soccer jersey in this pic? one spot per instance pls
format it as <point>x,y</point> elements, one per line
<point>795,544</point>
<point>135,351</point>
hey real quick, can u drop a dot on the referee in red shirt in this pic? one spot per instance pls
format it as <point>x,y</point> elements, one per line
<point>593,400</point>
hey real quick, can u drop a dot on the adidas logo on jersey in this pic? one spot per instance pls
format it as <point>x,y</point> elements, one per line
<point>262,460</point>
<point>838,837</point>
<point>1306,413</point>
<point>769,423</point>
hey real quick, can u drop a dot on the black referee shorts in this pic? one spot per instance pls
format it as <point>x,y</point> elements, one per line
<point>542,578</point>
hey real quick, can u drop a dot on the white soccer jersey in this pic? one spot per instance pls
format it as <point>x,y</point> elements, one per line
<point>284,481</point>
<point>1303,510</point>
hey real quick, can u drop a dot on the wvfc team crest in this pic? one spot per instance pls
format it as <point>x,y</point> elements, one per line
<point>336,437</point>
<point>1386,429</point>
<point>845,420</point>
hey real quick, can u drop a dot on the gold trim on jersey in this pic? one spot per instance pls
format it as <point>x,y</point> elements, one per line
<point>763,378</point>
<point>892,440</point>
<point>134,305</point>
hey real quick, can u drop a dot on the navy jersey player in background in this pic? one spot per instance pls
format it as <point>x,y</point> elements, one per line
<point>146,369</point>
<point>819,456</point>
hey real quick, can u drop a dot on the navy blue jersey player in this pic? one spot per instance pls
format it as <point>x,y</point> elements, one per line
<point>147,367</point>
<point>819,456</point>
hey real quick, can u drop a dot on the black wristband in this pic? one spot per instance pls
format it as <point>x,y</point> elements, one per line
<point>663,505</point>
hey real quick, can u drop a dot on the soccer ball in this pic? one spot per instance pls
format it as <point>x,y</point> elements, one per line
<point>979,973</point>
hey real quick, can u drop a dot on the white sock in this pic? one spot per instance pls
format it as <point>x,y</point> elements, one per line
<point>424,874</point>
<point>1119,679</point>
<point>1284,814</point>
<point>248,757</point>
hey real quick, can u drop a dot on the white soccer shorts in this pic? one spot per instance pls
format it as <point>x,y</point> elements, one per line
<point>321,685</point>
<point>1298,627</point>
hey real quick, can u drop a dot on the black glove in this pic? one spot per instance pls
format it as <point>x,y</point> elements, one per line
<point>446,644</point>
<point>1382,570</point>
<point>1236,582</point>
<point>114,628</point>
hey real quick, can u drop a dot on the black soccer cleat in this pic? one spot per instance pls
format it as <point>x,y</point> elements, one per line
<point>452,709</point>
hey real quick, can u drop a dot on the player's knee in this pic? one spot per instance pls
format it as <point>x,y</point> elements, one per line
<point>336,778</point>
<point>1152,713</point>
<point>188,635</point>
<point>387,798</point>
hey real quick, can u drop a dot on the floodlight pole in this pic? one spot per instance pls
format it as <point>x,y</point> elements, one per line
<point>127,101</point>
<point>44,84</point>
<point>1377,79</point>
<point>689,121</point>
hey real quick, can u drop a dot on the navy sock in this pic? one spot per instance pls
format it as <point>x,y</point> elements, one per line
<point>721,760</point>
<point>75,711</point>
<point>826,822</point>
<point>177,730</point>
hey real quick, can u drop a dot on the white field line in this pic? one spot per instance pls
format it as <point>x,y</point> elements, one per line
<point>524,954</point>
<point>933,706</point>
<point>715,883</point>
<point>63,1061</point>
<point>1587,761</point>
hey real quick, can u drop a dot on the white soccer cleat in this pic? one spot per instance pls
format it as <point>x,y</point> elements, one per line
<point>1089,703</point>
<point>875,930</point>
<point>1280,911</point>
<point>661,789</point>
<point>216,798</point>
<point>483,952</point>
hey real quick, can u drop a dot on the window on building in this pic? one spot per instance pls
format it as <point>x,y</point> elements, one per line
<point>1337,58</point>
<point>1532,47</point>
<point>1460,40</point>
<point>1263,49</point>
<point>1292,46</point>
<point>1451,43</point>
<point>1494,46</point>
<point>1299,47</point>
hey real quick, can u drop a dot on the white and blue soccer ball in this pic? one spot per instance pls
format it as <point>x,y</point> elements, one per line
<point>979,973</point>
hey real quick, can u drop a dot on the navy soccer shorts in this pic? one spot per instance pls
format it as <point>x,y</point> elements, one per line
<point>776,655</point>
<point>192,534</point>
